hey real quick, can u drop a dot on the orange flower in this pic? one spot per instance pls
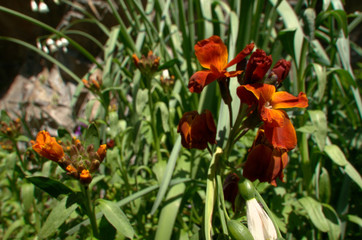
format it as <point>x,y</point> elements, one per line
<point>212,54</point>
<point>278,128</point>
<point>102,151</point>
<point>85,177</point>
<point>265,162</point>
<point>47,146</point>
<point>197,129</point>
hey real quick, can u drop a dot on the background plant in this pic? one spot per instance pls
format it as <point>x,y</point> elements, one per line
<point>147,179</point>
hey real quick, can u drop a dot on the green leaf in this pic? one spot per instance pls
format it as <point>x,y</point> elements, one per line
<point>168,64</point>
<point>324,186</point>
<point>210,193</point>
<point>116,217</point>
<point>321,74</point>
<point>319,120</point>
<point>141,100</point>
<point>315,213</point>
<point>27,195</point>
<point>56,218</point>
<point>337,156</point>
<point>109,51</point>
<point>91,136</point>
<point>167,176</point>
<point>353,174</point>
<point>52,187</point>
<point>333,222</point>
<point>355,219</point>
<point>287,39</point>
<point>169,212</point>
<point>11,228</point>
<point>162,108</point>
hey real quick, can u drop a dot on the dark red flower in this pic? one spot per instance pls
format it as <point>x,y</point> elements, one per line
<point>197,129</point>
<point>265,162</point>
<point>281,70</point>
<point>258,65</point>
<point>230,188</point>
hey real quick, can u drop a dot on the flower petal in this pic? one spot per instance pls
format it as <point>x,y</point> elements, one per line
<point>281,70</point>
<point>212,51</point>
<point>258,65</point>
<point>286,100</point>
<point>241,55</point>
<point>232,73</point>
<point>257,162</point>
<point>272,117</point>
<point>246,96</point>
<point>283,137</point>
<point>200,79</point>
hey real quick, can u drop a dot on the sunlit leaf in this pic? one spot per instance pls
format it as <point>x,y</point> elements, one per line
<point>56,218</point>
<point>315,213</point>
<point>116,217</point>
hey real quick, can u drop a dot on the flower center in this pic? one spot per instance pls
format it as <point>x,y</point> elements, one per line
<point>268,105</point>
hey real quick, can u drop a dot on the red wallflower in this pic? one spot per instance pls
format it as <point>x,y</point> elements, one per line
<point>197,129</point>
<point>278,128</point>
<point>258,65</point>
<point>265,162</point>
<point>212,54</point>
<point>281,70</point>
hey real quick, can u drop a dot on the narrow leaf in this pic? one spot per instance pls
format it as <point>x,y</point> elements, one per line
<point>337,156</point>
<point>56,218</point>
<point>210,193</point>
<point>52,187</point>
<point>315,213</point>
<point>116,217</point>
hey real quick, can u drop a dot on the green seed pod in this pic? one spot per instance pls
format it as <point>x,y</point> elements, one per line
<point>246,189</point>
<point>238,231</point>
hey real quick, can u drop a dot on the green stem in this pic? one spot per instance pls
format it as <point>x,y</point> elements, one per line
<point>90,211</point>
<point>153,121</point>
<point>18,153</point>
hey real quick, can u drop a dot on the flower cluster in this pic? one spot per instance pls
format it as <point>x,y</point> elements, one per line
<point>147,65</point>
<point>78,162</point>
<point>11,129</point>
<point>95,81</point>
<point>258,90</point>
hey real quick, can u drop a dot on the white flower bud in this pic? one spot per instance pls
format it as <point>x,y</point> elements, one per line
<point>45,49</point>
<point>34,6</point>
<point>259,223</point>
<point>53,48</point>
<point>64,41</point>
<point>59,43</point>
<point>50,42</point>
<point>43,8</point>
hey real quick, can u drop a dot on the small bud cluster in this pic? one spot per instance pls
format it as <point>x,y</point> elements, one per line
<point>147,65</point>
<point>12,129</point>
<point>52,45</point>
<point>40,7</point>
<point>95,81</point>
<point>166,80</point>
<point>81,162</point>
